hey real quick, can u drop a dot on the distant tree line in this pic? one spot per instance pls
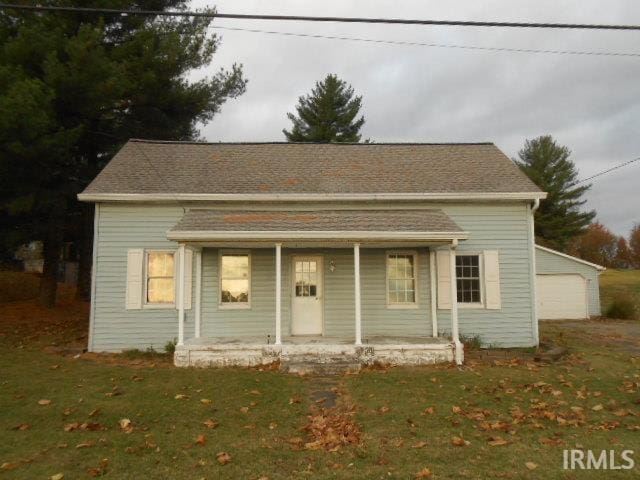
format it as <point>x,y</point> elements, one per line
<point>600,245</point>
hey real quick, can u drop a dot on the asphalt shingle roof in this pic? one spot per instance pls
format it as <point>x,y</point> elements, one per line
<point>419,220</point>
<point>148,167</point>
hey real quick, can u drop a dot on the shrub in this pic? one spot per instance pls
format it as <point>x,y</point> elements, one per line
<point>170,347</point>
<point>622,307</point>
<point>472,342</point>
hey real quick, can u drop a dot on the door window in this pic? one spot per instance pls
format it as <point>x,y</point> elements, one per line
<point>306,278</point>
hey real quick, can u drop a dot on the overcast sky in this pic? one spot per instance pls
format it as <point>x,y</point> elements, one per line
<point>419,94</point>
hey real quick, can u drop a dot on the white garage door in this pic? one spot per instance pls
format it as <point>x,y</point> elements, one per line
<point>561,296</point>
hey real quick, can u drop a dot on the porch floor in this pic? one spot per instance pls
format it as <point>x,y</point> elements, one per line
<point>309,353</point>
<point>316,340</point>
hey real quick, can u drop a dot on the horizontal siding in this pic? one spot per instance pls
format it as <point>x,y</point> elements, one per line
<point>548,263</point>
<point>501,227</point>
<point>121,228</point>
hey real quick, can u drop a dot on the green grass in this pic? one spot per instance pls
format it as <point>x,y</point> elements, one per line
<point>614,283</point>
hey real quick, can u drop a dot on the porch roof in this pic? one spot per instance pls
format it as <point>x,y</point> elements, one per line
<point>418,224</point>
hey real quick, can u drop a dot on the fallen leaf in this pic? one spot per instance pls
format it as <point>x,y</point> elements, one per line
<point>99,470</point>
<point>531,465</point>
<point>459,441</point>
<point>597,408</point>
<point>223,458</point>
<point>497,442</point>
<point>272,425</point>
<point>201,440</point>
<point>255,392</point>
<point>70,427</point>
<point>244,409</point>
<point>57,476</point>
<point>87,444</point>
<point>419,444</point>
<point>211,423</point>
<point>94,412</point>
<point>181,396</point>
<point>384,409</point>
<point>293,400</point>
<point>125,425</point>
<point>424,473</point>
<point>428,411</point>
<point>455,409</point>
<point>206,401</point>
<point>44,402</point>
<point>8,466</point>
<point>21,426</point>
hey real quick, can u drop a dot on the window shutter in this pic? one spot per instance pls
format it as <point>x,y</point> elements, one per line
<point>188,274</point>
<point>444,278</point>
<point>133,295</point>
<point>492,280</point>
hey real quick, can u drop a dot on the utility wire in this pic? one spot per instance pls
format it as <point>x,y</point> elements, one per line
<point>433,45</point>
<point>302,18</point>
<point>624,164</point>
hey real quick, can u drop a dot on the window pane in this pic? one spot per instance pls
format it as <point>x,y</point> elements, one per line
<point>298,266</point>
<point>312,290</point>
<point>160,264</point>
<point>235,291</point>
<point>312,266</point>
<point>235,266</point>
<point>160,290</point>
<point>410,296</point>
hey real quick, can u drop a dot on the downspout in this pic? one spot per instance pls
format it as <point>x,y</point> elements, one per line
<point>534,300</point>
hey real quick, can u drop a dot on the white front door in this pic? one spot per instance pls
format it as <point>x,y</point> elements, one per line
<point>307,296</point>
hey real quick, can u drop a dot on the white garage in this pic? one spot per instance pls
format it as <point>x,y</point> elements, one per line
<point>566,287</point>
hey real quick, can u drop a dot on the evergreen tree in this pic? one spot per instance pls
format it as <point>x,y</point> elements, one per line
<point>328,114</point>
<point>73,88</point>
<point>560,217</point>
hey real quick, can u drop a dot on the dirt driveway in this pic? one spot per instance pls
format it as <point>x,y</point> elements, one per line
<point>619,334</point>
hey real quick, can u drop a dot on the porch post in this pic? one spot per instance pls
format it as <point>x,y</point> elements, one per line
<point>278,293</point>
<point>198,292</point>
<point>180,293</point>
<point>454,305</point>
<point>356,267</point>
<point>432,288</point>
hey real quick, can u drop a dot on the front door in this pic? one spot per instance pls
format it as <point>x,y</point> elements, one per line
<point>307,296</point>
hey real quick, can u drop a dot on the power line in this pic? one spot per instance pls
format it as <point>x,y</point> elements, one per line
<point>302,18</point>
<point>433,45</point>
<point>624,164</point>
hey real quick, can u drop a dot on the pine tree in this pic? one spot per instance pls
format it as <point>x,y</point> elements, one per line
<point>328,114</point>
<point>560,217</point>
<point>73,89</point>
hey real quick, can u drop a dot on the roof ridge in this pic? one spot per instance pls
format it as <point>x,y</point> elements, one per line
<point>191,142</point>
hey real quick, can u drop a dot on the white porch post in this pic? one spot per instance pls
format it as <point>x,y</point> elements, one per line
<point>278,294</point>
<point>180,295</point>
<point>356,274</point>
<point>432,288</point>
<point>455,335</point>
<point>198,292</point>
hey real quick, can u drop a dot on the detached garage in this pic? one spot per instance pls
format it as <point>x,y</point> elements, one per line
<point>566,287</point>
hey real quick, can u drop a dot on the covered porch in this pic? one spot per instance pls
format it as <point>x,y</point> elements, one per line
<point>319,288</point>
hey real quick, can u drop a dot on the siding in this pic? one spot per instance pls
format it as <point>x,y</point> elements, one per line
<point>549,263</point>
<point>497,226</point>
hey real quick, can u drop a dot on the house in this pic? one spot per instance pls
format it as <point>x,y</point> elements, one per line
<point>566,287</point>
<point>247,253</point>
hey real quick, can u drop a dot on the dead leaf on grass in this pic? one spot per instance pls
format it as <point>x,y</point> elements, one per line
<point>419,444</point>
<point>21,426</point>
<point>428,411</point>
<point>100,470</point>
<point>244,409</point>
<point>87,444</point>
<point>181,396</point>
<point>223,458</point>
<point>57,476</point>
<point>597,408</point>
<point>497,441</point>
<point>384,409</point>
<point>459,441</point>
<point>6,466</point>
<point>531,465</point>
<point>293,400</point>
<point>125,425</point>
<point>206,401</point>
<point>44,402</point>
<point>210,423</point>
<point>201,440</point>
<point>424,473</point>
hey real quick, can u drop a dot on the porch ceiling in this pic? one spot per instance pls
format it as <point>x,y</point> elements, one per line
<point>302,227</point>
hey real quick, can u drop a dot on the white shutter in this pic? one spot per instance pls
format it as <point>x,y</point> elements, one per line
<point>188,277</point>
<point>492,280</point>
<point>133,295</point>
<point>444,278</point>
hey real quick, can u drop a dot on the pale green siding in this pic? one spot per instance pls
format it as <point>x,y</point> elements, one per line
<point>549,263</point>
<point>498,226</point>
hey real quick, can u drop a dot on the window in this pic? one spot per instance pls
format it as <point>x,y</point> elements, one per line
<point>234,279</point>
<point>401,278</point>
<point>160,281</point>
<point>306,278</point>
<point>468,278</point>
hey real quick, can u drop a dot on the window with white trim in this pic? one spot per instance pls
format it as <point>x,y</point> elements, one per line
<point>160,279</point>
<point>468,278</point>
<point>401,278</point>
<point>235,279</point>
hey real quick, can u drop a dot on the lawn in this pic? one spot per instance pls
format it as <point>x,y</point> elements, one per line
<point>63,413</point>
<point>619,282</point>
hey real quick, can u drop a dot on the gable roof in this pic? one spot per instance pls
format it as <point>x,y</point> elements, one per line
<point>570,257</point>
<point>186,170</point>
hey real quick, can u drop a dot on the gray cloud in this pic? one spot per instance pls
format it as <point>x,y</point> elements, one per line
<point>589,103</point>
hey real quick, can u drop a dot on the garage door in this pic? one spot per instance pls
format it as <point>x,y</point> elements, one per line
<point>561,296</point>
